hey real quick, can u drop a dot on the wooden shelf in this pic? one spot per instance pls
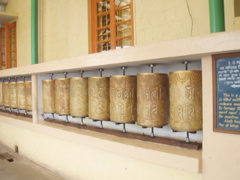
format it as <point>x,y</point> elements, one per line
<point>7,17</point>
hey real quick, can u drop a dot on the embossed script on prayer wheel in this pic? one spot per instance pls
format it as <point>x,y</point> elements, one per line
<point>79,97</point>
<point>48,95</point>
<point>20,95</point>
<point>1,94</point>
<point>13,94</point>
<point>153,99</point>
<point>98,98</point>
<point>6,94</point>
<point>186,100</point>
<point>62,96</point>
<point>123,99</point>
<point>28,95</point>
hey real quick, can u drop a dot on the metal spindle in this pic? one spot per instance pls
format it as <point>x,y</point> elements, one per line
<point>81,72</point>
<point>82,123</point>
<point>101,125</point>
<point>186,68</point>
<point>100,70</point>
<point>67,118</point>
<point>65,74</point>
<point>186,64</point>
<point>124,68</point>
<point>53,116</point>
<point>152,132</point>
<point>124,128</point>
<point>152,66</point>
<point>52,76</point>
<point>23,78</point>
<point>187,139</point>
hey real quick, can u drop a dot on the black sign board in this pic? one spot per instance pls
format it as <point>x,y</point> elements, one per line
<point>226,83</point>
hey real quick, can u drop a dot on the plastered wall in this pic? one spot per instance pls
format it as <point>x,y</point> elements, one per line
<point>65,29</point>
<point>159,20</point>
<point>221,158</point>
<point>23,10</point>
<point>163,19</point>
<point>77,161</point>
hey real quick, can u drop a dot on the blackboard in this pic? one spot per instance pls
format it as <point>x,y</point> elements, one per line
<point>226,79</point>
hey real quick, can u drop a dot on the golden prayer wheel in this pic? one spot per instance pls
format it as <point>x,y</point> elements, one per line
<point>62,96</point>
<point>1,94</point>
<point>79,97</point>
<point>13,94</point>
<point>28,95</point>
<point>6,94</point>
<point>98,98</point>
<point>20,95</point>
<point>123,99</point>
<point>186,100</point>
<point>48,95</point>
<point>153,99</point>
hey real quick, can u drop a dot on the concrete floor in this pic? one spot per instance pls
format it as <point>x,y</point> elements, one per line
<point>22,168</point>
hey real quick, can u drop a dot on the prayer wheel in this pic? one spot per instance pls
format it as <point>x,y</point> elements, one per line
<point>28,95</point>
<point>186,100</point>
<point>6,94</point>
<point>48,95</point>
<point>152,99</point>
<point>13,94</point>
<point>1,94</point>
<point>20,95</point>
<point>62,96</point>
<point>123,99</point>
<point>79,97</point>
<point>98,98</point>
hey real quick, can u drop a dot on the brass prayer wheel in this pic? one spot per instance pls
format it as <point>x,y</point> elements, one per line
<point>48,95</point>
<point>1,94</point>
<point>6,94</point>
<point>79,97</point>
<point>123,99</point>
<point>62,96</point>
<point>153,99</point>
<point>28,95</point>
<point>20,95</point>
<point>186,100</point>
<point>13,94</point>
<point>98,98</point>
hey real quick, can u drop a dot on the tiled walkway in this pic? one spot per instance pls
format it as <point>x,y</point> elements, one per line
<point>22,168</point>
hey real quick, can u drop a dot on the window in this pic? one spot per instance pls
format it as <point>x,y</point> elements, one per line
<point>112,24</point>
<point>237,8</point>
<point>8,46</point>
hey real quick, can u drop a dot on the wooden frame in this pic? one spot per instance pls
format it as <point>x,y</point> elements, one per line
<point>215,94</point>
<point>113,37</point>
<point>9,43</point>
<point>2,48</point>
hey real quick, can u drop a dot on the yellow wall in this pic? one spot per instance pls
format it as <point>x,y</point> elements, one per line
<point>163,19</point>
<point>220,150</point>
<point>23,10</point>
<point>78,161</point>
<point>64,29</point>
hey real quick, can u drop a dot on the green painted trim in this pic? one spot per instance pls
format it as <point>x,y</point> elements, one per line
<point>34,31</point>
<point>216,12</point>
